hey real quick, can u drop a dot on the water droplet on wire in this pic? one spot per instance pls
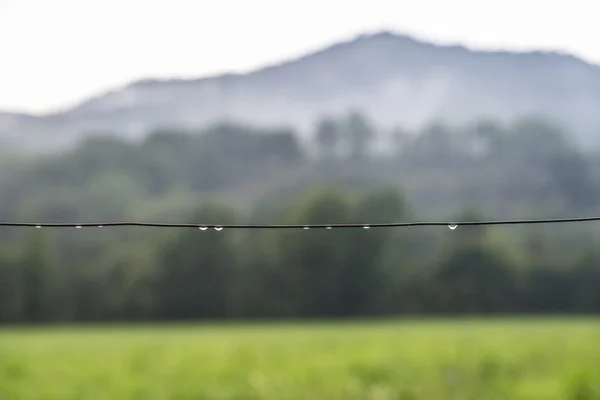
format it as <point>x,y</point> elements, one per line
<point>218,228</point>
<point>452,227</point>
<point>78,227</point>
<point>38,226</point>
<point>328,227</point>
<point>203,228</point>
<point>306,227</point>
<point>366,227</point>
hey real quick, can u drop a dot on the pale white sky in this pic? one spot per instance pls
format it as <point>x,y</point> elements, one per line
<point>54,53</point>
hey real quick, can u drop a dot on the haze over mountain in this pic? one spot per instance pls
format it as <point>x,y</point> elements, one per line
<point>395,79</point>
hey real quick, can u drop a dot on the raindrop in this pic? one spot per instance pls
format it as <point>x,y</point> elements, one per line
<point>306,227</point>
<point>366,227</point>
<point>78,227</point>
<point>38,226</point>
<point>452,227</point>
<point>218,228</point>
<point>202,228</point>
<point>100,226</point>
<point>328,227</point>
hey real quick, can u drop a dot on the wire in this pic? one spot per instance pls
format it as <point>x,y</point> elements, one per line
<point>450,224</point>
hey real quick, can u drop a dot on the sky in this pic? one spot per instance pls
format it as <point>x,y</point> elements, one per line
<point>54,54</point>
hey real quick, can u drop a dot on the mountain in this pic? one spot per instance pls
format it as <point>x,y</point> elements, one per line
<point>395,78</point>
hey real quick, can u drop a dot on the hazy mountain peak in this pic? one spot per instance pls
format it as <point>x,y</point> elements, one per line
<point>396,78</point>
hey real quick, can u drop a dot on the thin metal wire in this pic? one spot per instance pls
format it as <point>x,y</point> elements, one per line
<point>295,226</point>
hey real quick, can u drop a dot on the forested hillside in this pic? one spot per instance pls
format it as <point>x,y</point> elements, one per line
<point>235,173</point>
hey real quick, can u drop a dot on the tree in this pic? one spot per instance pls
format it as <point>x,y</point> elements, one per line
<point>438,146</point>
<point>327,137</point>
<point>11,288</point>
<point>39,279</point>
<point>360,133</point>
<point>197,268</point>
<point>586,278</point>
<point>491,136</point>
<point>472,274</point>
<point>533,141</point>
<point>313,260</point>
<point>572,176</point>
<point>475,279</point>
<point>363,277</point>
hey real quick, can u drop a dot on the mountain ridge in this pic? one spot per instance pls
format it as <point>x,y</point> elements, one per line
<point>397,78</point>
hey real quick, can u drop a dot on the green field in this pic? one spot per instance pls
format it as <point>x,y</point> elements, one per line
<point>436,360</point>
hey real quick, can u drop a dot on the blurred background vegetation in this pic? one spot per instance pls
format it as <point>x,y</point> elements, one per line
<point>349,171</point>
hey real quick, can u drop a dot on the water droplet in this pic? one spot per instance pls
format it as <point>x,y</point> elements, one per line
<point>366,227</point>
<point>328,227</point>
<point>218,228</point>
<point>306,227</point>
<point>100,226</point>
<point>452,227</point>
<point>78,227</point>
<point>38,226</point>
<point>203,228</point>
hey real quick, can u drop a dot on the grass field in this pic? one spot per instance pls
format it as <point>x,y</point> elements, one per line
<point>435,360</point>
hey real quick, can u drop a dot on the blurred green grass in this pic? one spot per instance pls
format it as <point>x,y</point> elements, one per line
<point>430,360</point>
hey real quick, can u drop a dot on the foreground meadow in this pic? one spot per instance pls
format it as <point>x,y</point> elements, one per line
<point>468,359</point>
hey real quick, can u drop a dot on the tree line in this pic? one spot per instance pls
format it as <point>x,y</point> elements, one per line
<point>235,174</point>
